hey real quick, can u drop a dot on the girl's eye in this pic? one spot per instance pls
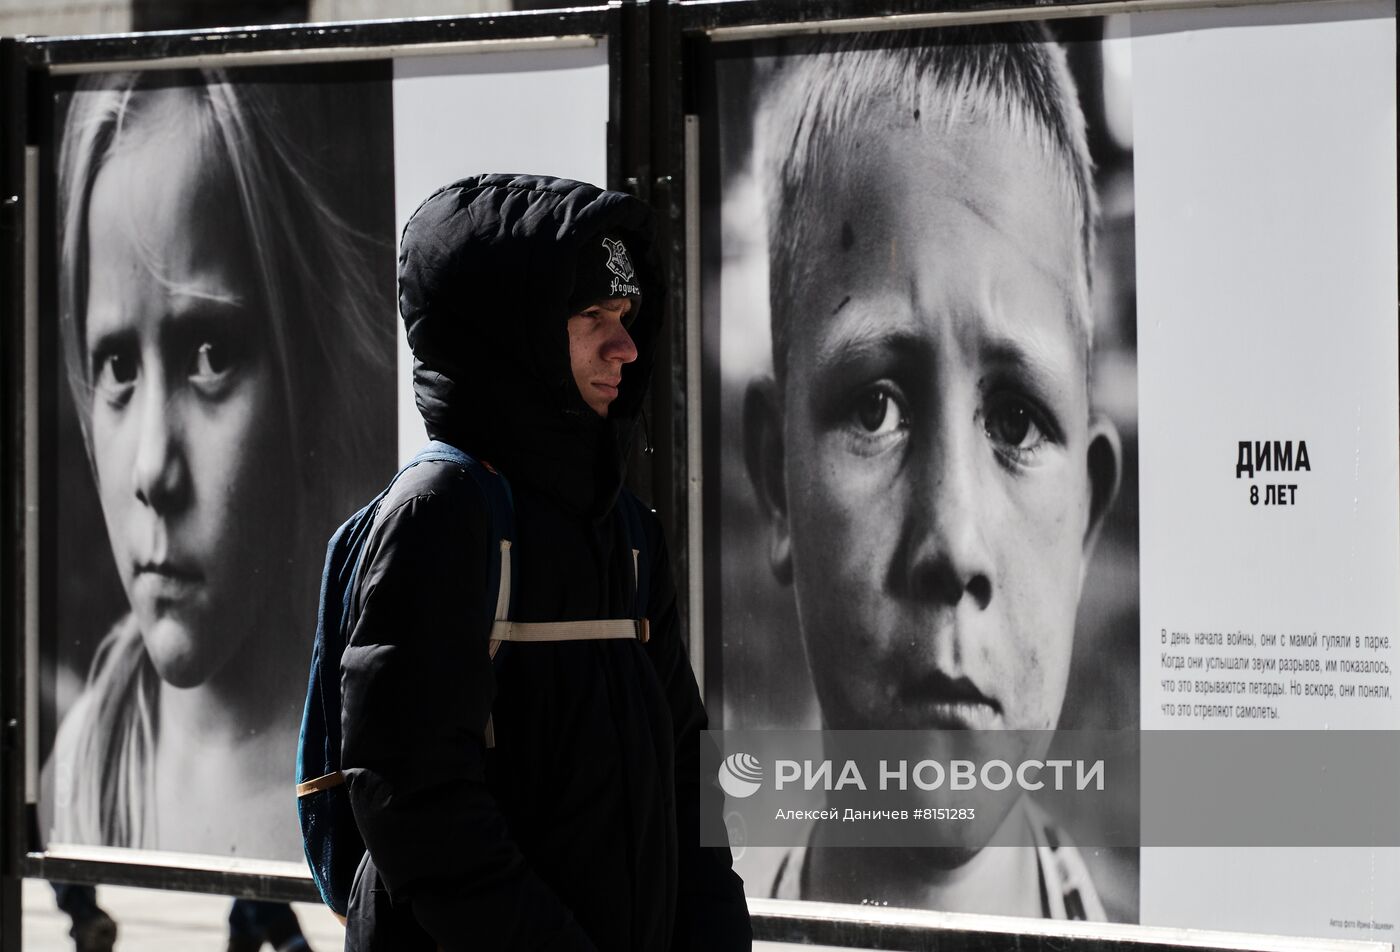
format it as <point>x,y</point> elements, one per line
<point>118,369</point>
<point>115,374</point>
<point>211,362</point>
<point>878,413</point>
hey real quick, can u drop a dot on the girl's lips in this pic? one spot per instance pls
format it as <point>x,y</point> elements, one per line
<point>171,580</point>
<point>169,569</point>
<point>165,583</point>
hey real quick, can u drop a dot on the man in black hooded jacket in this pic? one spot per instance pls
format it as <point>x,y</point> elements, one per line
<point>580,828</point>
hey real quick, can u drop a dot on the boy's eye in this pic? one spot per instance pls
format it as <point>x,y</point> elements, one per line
<point>1010,425</point>
<point>1013,425</point>
<point>878,413</point>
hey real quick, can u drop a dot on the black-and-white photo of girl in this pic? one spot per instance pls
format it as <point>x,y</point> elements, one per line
<point>225,295</point>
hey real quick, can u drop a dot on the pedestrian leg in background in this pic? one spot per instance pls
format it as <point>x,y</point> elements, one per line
<point>93,930</point>
<point>252,922</point>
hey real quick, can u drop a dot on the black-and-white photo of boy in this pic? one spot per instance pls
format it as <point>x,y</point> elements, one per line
<point>924,472</point>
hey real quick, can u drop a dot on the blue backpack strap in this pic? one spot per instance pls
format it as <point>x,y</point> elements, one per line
<point>634,531</point>
<point>349,538</point>
<point>500,510</point>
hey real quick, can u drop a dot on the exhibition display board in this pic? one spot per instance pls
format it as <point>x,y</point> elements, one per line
<point>1031,396</point>
<point>1022,345</point>
<point>217,377</point>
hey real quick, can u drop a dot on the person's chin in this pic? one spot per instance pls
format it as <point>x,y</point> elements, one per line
<point>175,652</point>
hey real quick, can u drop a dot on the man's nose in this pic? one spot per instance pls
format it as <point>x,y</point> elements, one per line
<point>949,558</point>
<point>158,469</point>
<point>619,346</point>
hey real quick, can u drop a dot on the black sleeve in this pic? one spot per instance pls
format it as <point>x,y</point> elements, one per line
<point>416,689</point>
<point>711,912</point>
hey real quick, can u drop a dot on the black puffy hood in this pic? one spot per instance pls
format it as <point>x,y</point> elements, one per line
<point>486,272</point>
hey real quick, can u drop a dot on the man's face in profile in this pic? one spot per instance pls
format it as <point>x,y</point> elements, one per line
<point>599,347</point>
<point>931,470</point>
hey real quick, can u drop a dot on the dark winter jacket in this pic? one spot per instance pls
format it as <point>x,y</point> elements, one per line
<point>580,828</point>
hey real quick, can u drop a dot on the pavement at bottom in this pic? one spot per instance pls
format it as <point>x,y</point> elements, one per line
<point>158,920</point>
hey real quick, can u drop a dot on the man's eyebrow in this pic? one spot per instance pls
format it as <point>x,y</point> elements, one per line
<point>607,308</point>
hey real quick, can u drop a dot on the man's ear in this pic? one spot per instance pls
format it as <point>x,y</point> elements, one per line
<point>764,457</point>
<point>1105,463</point>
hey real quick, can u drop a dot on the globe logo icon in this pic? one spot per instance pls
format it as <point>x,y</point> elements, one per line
<point>740,775</point>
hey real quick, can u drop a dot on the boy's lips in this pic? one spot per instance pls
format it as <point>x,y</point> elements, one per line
<point>937,701</point>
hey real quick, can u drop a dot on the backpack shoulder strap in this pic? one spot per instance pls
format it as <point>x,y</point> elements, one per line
<point>500,511</point>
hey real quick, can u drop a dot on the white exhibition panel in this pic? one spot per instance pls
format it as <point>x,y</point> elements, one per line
<point>1266,248</point>
<point>535,112</point>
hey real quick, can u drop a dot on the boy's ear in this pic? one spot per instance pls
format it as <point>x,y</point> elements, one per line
<point>1105,462</point>
<point>764,457</point>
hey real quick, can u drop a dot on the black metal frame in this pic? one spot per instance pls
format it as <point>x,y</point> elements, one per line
<point>656,52</point>
<point>871,928</point>
<point>40,53</point>
<point>701,16</point>
<point>29,66</point>
<point>12,554</point>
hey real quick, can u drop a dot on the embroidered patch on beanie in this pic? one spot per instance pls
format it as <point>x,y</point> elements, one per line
<point>604,270</point>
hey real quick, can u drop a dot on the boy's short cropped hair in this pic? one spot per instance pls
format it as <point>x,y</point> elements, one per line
<point>812,127</point>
